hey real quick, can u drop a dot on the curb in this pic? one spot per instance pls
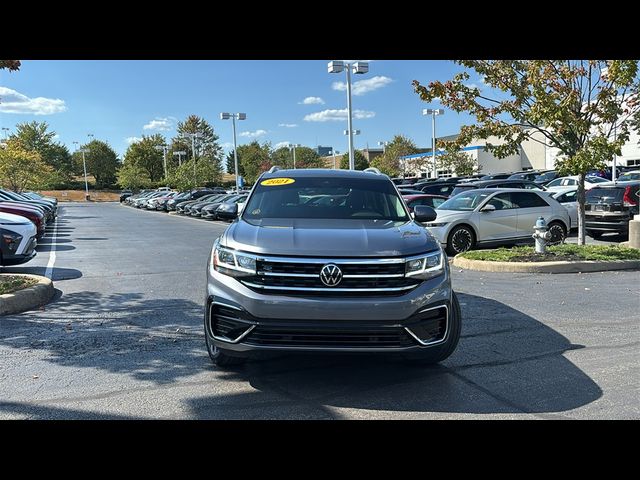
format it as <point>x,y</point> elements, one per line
<point>545,267</point>
<point>28,298</point>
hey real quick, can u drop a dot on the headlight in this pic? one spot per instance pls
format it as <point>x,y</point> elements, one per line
<point>11,240</point>
<point>230,262</point>
<point>435,224</point>
<point>425,266</point>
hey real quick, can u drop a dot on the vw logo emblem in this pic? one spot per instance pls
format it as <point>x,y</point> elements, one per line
<point>331,275</point>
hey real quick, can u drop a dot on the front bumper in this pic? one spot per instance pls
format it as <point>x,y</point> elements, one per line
<point>19,258</point>
<point>254,321</point>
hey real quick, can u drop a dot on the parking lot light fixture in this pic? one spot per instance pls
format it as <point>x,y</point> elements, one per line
<point>433,113</point>
<point>180,154</point>
<point>358,68</point>
<point>384,146</point>
<point>292,147</point>
<point>233,117</point>
<point>164,148</point>
<point>84,165</point>
<point>6,132</point>
<point>193,137</point>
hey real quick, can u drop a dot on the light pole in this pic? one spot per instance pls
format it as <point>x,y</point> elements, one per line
<point>293,147</point>
<point>433,113</point>
<point>333,154</point>
<point>179,154</point>
<point>164,147</point>
<point>193,137</point>
<point>6,132</point>
<point>359,68</point>
<point>84,166</point>
<point>233,116</point>
<point>384,146</point>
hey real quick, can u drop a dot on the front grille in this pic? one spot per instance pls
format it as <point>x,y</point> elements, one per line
<point>292,276</point>
<point>330,338</point>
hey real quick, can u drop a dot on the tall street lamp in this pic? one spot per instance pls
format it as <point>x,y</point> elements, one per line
<point>359,68</point>
<point>292,147</point>
<point>165,148</point>
<point>433,113</point>
<point>333,154</point>
<point>84,166</point>
<point>193,137</point>
<point>6,132</point>
<point>180,154</point>
<point>233,117</point>
<point>384,146</point>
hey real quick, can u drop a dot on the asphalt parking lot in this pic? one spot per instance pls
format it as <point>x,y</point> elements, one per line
<point>124,339</point>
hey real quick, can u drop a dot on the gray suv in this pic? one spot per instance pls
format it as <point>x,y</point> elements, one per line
<point>329,261</point>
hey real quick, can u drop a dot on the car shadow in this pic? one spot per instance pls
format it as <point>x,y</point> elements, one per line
<point>506,362</point>
<point>40,412</point>
<point>57,273</point>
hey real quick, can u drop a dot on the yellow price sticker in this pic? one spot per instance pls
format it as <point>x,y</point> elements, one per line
<point>272,182</point>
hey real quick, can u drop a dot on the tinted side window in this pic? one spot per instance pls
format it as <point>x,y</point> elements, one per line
<point>502,201</point>
<point>528,200</point>
<point>437,202</point>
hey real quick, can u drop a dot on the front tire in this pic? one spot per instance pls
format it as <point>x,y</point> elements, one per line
<point>441,352</point>
<point>558,233</point>
<point>460,240</point>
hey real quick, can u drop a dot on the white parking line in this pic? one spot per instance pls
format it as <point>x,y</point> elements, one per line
<point>52,253</point>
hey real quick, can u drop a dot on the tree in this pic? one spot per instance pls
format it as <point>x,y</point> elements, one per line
<point>389,162</point>
<point>20,168</point>
<point>10,65</point>
<point>305,158</point>
<point>102,162</point>
<point>35,136</point>
<point>207,174</point>
<point>231,165</point>
<point>131,175</point>
<point>206,145</point>
<point>144,154</point>
<point>255,158</point>
<point>584,109</point>
<point>359,160</point>
<point>457,161</point>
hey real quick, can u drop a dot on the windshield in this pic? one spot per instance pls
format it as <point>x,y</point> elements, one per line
<point>460,189</point>
<point>326,197</point>
<point>604,195</point>
<point>465,201</point>
<point>629,176</point>
<point>545,176</point>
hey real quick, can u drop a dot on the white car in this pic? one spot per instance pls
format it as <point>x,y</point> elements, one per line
<point>18,239</point>
<point>572,181</point>
<point>628,176</point>
<point>568,198</point>
<point>486,217</point>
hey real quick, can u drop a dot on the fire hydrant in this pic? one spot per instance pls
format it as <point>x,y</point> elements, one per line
<point>541,235</point>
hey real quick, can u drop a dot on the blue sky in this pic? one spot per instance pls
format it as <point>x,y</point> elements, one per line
<point>115,100</point>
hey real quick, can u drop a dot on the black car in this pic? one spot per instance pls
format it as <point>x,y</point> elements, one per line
<point>608,208</point>
<point>546,177</point>
<point>125,194</point>
<point>463,187</point>
<point>496,176</point>
<point>530,175</point>
<point>439,187</point>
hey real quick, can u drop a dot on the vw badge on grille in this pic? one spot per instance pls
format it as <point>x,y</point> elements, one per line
<point>331,275</point>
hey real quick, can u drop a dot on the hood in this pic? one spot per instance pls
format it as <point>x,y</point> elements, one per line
<point>329,237</point>
<point>11,219</point>
<point>442,214</point>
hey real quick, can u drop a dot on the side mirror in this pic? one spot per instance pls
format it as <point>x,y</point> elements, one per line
<point>488,208</point>
<point>424,213</point>
<point>227,210</point>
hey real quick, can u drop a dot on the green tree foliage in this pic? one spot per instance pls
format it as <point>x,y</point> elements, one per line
<point>10,65</point>
<point>305,158</point>
<point>255,158</point>
<point>359,159</point>
<point>206,145</point>
<point>207,174</point>
<point>459,162</point>
<point>36,137</point>
<point>389,162</point>
<point>131,175</point>
<point>21,168</point>
<point>576,106</point>
<point>230,163</point>
<point>102,162</point>
<point>143,154</point>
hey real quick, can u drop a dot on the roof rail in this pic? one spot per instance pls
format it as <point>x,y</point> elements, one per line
<point>275,168</point>
<point>373,170</point>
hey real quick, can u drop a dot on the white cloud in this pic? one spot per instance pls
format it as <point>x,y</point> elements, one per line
<point>363,86</point>
<point>227,146</point>
<point>257,133</point>
<point>56,136</point>
<point>288,125</point>
<point>337,115</point>
<point>131,140</point>
<point>15,102</point>
<point>472,85</point>
<point>160,123</point>
<point>280,145</point>
<point>312,101</point>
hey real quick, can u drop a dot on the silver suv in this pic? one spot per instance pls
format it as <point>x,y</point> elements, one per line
<point>329,261</point>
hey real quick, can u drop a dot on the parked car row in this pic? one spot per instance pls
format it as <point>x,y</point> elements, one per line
<point>211,203</point>
<point>23,220</point>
